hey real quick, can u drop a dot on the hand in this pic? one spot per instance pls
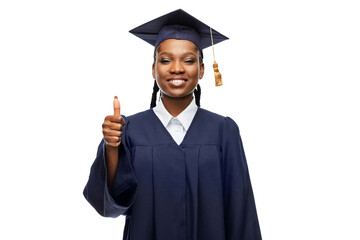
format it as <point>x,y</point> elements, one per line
<point>113,125</point>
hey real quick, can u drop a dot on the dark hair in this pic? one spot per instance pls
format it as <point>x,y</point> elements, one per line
<point>153,97</point>
<point>197,91</point>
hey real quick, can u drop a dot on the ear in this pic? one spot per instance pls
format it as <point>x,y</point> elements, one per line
<point>202,70</point>
<point>153,70</point>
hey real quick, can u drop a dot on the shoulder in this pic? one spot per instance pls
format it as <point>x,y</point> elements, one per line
<point>214,127</point>
<point>139,122</point>
<point>225,128</point>
<point>140,128</point>
<point>210,115</point>
<point>217,119</point>
<point>139,117</point>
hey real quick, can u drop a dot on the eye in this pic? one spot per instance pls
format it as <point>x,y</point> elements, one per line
<point>164,60</point>
<point>189,60</point>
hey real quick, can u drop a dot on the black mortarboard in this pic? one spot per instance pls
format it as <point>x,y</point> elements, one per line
<point>177,25</point>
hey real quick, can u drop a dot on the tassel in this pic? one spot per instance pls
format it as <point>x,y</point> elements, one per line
<point>218,80</point>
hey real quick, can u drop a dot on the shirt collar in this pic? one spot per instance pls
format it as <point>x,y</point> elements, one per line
<point>185,117</point>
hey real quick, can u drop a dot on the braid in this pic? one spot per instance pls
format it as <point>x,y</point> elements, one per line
<point>153,98</point>
<point>197,93</point>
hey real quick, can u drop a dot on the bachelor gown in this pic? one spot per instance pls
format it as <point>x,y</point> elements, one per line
<point>198,190</point>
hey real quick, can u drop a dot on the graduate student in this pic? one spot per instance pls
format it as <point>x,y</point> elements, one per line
<point>176,171</point>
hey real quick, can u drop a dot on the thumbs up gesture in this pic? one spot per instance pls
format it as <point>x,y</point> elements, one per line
<point>113,125</point>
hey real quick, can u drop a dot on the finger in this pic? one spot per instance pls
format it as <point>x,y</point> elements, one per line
<point>116,106</point>
<point>116,126</point>
<point>122,121</point>
<point>112,139</point>
<point>112,126</point>
<point>112,118</point>
<point>111,133</point>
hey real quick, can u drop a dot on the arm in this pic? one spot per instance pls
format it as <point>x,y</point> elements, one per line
<point>112,154</point>
<point>112,130</point>
<point>241,219</point>
<point>112,184</point>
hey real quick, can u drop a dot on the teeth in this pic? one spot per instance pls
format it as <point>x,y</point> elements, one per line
<point>177,80</point>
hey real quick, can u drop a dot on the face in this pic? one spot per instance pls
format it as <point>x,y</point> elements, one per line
<point>177,68</point>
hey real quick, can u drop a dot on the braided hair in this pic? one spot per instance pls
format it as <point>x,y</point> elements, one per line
<point>153,98</point>
<point>197,90</point>
<point>197,93</point>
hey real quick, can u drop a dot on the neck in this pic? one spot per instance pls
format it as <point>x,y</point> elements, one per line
<point>176,105</point>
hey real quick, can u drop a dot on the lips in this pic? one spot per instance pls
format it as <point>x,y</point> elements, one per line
<point>177,82</point>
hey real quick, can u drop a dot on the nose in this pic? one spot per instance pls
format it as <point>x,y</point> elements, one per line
<point>177,67</point>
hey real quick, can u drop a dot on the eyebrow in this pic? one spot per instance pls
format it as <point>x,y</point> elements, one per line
<point>171,54</point>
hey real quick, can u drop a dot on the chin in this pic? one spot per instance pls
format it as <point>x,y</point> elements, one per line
<point>178,95</point>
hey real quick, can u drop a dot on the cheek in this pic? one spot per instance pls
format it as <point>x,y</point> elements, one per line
<point>195,72</point>
<point>159,71</point>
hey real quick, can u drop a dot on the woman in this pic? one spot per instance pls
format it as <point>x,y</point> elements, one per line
<point>176,171</point>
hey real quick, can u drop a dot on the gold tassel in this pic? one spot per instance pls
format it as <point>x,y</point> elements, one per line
<point>218,79</point>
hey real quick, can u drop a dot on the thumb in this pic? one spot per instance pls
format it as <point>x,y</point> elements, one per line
<point>116,107</point>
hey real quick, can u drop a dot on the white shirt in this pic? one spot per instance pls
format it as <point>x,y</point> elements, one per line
<point>176,126</point>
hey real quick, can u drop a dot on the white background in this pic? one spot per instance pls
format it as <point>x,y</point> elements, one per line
<point>291,82</point>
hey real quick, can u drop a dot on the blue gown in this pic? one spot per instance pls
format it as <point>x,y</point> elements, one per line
<point>198,190</point>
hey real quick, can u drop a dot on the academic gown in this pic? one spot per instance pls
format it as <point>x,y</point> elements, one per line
<point>198,190</point>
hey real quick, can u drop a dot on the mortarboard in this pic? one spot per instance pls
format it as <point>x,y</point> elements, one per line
<point>177,25</point>
<point>180,25</point>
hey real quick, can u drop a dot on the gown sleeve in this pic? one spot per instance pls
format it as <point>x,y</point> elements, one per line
<point>241,221</point>
<point>96,192</point>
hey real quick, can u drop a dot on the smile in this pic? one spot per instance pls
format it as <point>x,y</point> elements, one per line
<point>177,80</point>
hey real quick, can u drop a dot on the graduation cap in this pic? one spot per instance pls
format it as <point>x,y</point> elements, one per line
<point>180,25</point>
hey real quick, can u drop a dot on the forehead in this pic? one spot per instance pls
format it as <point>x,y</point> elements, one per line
<point>177,46</point>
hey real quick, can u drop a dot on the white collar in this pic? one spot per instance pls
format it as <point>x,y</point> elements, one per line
<point>185,117</point>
